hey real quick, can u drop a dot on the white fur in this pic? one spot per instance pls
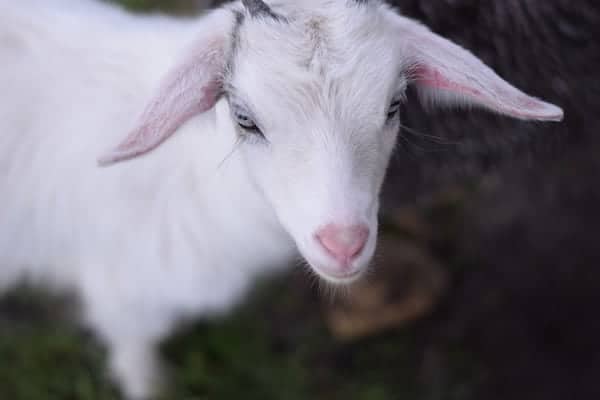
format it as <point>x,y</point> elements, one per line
<point>184,230</point>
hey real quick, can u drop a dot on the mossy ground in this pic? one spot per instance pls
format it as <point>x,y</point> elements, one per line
<point>276,346</point>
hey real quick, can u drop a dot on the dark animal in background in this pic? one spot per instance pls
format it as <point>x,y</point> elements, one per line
<point>529,308</point>
<point>551,50</point>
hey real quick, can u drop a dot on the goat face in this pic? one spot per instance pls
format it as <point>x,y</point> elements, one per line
<point>313,94</point>
<point>317,121</point>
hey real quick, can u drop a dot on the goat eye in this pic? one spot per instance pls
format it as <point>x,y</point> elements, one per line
<point>246,123</point>
<point>394,108</point>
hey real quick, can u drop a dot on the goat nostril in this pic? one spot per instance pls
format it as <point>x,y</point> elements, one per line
<point>343,243</point>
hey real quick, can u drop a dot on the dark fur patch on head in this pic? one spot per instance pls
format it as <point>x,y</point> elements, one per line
<point>314,30</point>
<point>258,8</point>
<point>235,44</point>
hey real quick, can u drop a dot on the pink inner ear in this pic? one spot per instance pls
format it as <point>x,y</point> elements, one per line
<point>497,95</point>
<point>435,80</point>
<point>191,88</point>
<point>158,124</point>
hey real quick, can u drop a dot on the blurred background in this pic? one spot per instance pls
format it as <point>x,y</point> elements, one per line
<point>487,283</point>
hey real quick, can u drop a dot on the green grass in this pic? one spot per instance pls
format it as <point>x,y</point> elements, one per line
<point>274,347</point>
<point>45,356</point>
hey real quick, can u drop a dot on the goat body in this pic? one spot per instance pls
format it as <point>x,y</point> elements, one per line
<point>142,244</point>
<point>185,230</point>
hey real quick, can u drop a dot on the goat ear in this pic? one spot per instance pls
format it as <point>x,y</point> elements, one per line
<point>446,73</point>
<point>193,86</point>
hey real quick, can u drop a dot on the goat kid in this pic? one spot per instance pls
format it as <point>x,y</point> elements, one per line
<point>286,115</point>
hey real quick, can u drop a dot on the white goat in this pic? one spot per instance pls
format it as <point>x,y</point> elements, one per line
<point>285,116</point>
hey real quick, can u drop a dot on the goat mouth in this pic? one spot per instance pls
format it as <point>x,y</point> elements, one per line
<point>338,278</point>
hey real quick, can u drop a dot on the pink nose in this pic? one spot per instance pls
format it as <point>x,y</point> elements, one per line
<point>344,243</point>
